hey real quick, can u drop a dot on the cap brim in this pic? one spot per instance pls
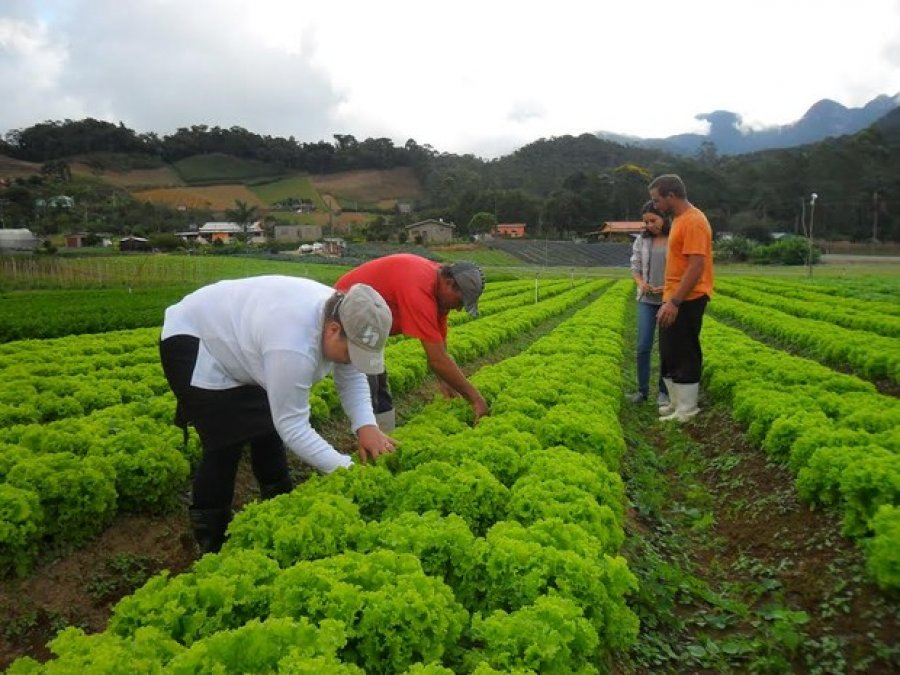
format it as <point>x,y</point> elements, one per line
<point>365,361</point>
<point>472,309</point>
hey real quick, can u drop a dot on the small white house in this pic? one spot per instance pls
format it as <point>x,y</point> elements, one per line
<point>225,232</point>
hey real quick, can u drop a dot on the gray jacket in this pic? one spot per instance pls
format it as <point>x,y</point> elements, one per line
<point>640,259</point>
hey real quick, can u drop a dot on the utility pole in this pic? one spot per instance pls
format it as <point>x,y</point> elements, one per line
<point>875,217</point>
<point>812,208</point>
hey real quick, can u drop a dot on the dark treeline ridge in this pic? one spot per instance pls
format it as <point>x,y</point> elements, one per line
<point>564,184</point>
<point>54,140</point>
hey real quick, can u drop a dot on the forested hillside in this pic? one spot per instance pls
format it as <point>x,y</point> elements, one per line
<point>557,186</point>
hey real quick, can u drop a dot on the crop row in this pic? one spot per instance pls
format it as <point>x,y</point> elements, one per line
<point>407,366</point>
<point>479,549</point>
<point>49,314</point>
<point>530,294</point>
<point>856,316</point>
<point>874,356</point>
<point>111,444</point>
<point>835,432</point>
<point>71,377</point>
<point>875,294</point>
<point>57,313</point>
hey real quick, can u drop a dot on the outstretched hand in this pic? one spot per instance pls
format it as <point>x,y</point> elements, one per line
<point>480,407</point>
<point>373,443</point>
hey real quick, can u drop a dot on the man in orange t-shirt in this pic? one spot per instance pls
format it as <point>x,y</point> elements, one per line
<point>687,290</point>
<point>420,294</point>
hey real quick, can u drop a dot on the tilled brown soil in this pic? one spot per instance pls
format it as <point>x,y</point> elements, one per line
<point>760,546</point>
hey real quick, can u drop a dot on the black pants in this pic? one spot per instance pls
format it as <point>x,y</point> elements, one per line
<point>226,420</point>
<point>381,393</point>
<point>679,344</point>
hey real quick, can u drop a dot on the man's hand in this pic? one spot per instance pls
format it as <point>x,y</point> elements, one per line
<point>480,407</point>
<point>446,389</point>
<point>373,442</point>
<point>667,314</point>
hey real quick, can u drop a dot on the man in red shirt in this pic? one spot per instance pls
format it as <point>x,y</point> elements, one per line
<point>688,288</point>
<point>420,294</point>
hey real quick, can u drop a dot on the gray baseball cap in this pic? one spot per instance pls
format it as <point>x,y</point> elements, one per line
<point>366,319</point>
<point>470,280</point>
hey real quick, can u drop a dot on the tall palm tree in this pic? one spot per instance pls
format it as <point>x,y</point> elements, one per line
<point>243,214</point>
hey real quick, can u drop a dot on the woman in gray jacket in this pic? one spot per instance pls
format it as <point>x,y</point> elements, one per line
<point>648,269</point>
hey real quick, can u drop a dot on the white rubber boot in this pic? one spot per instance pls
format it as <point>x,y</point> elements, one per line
<point>686,406</point>
<point>670,407</point>
<point>387,421</point>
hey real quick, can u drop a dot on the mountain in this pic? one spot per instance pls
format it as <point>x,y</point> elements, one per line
<point>825,118</point>
<point>889,126</point>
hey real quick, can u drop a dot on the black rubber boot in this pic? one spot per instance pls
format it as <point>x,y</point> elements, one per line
<point>209,528</point>
<point>279,487</point>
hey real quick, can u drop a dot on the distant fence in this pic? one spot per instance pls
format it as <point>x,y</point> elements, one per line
<point>859,248</point>
<point>566,253</point>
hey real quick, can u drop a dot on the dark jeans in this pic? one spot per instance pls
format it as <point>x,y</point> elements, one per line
<point>646,331</point>
<point>679,344</point>
<point>226,420</point>
<point>381,393</point>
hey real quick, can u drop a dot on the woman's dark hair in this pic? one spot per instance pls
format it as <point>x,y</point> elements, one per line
<point>667,223</point>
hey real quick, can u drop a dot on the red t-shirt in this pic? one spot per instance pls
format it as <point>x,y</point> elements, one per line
<point>408,283</point>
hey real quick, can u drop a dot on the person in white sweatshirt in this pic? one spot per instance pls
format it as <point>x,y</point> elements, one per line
<point>242,356</point>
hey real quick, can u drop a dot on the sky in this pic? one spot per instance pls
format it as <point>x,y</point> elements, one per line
<point>470,76</point>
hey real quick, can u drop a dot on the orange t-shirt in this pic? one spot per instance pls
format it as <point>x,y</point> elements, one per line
<point>690,235</point>
<point>408,284</point>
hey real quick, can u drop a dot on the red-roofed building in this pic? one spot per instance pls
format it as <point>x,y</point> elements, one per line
<point>620,228</point>
<point>511,230</point>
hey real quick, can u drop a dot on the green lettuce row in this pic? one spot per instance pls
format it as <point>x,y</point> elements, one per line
<point>56,352</point>
<point>406,362</point>
<point>874,301</point>
<point>884,547</point>
<point>40,399</point>
<point>50,314</point>
<point>488,306</point>
<point>47,314</point>
<point>856,318</point>
<point>408,367</point>
<point>65,481</point>
<point>57,379</point>
<point>143,455</point>
<point>549,581</point>
<point>836,432</point>
<point>874,356</point>
<point>562,502</point>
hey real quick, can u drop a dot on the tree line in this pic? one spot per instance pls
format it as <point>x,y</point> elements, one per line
<point>560,186</point>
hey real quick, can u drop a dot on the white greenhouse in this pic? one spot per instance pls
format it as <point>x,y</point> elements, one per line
<point>19,239</point>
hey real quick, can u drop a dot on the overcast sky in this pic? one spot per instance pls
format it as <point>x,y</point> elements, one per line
<point>482,77</point>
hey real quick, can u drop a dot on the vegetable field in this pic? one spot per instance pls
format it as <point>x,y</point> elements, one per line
<point>569,532</point>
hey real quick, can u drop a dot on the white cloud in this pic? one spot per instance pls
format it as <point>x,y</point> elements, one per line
<point>482,77</point>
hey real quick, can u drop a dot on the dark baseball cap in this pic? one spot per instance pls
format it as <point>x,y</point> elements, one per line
<point>470,280</point>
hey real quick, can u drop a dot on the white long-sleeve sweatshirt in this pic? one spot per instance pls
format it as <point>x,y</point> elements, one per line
<point>267,331</point>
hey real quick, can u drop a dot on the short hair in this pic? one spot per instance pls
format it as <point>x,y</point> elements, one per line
<point>669,184</point>
<point>332,306</point>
